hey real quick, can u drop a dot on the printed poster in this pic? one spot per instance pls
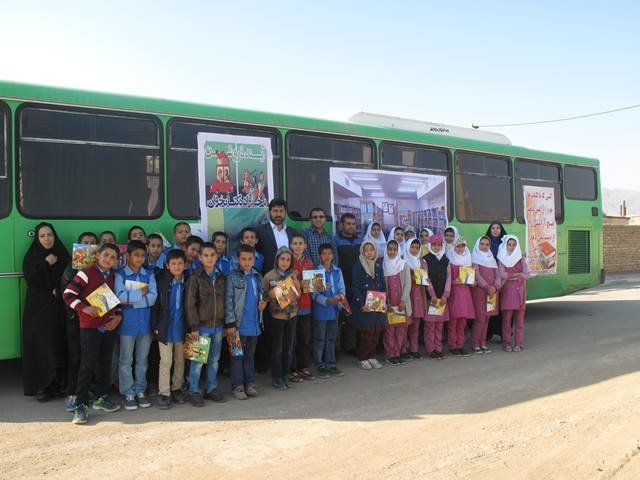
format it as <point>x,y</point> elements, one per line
<point>235,182</point>
<point>541,230</point>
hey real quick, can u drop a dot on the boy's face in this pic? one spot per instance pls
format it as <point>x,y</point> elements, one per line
<point>136,258</point>
<point>221,244</point>
<point>249,238</point>
<point>326,256</point>
<point>245,260</point>
<point>107,259</point>
<point>176,267</point>
<point>89,240</point>
<point>208,256</point>
<point>192,251</point>
<point>398,235</point>
<point>155,247</point>
<point>449,236</point>
<point>298,245</point>
<point>181,234</point>
<point>138,234</point>
<point>284,262</point>
<point>107,238</point>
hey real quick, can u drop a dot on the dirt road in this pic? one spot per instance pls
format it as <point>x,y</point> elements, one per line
<point>568,407</point>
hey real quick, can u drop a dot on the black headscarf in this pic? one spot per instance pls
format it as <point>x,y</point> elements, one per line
<point>37,253</point>
<point>495,241</point>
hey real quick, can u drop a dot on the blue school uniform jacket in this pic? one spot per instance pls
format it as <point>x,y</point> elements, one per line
<point>136,308</point>
<point>322,311</point>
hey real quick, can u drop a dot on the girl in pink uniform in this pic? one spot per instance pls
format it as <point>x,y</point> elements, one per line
<point>460,301</point>
<point>438,290</point>
<point>513,295</point>
<point>398,281</point>
<point>488,283</point>
<point>418,300</point>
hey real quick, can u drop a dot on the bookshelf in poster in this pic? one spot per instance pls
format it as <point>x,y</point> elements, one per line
<point>286,292</point>
<point>376,301</point>
<point>103,299</point>
<point>84,255</point>
<point>467,275</point>
<point>197,348</point>
<point>313,281</point>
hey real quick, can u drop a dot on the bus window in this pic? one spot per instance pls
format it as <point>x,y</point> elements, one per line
<point>483,188</point>
<point>580,183</point>
<point>85,164</point>
<point>5,181</point>
<point>412,158</point>
<point>541,174</point>
<point>182,162</point>
<point>309,158</point>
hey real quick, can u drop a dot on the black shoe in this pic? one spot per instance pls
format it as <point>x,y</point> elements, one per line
<point>196,400</point>
<point>42,396</point>
<point>406,357</point>
<point>434,355</point>
<point>441,355</point>
<point>401,361</point>
<point>215,396</point>
<point>463,352</point>
<point>416,356</point>
<point>177,396</point>
<point>164,402</point>
<point>455,352</point>
<point>392,361</point>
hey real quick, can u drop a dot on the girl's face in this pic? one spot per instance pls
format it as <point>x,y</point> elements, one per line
<point>436,247</point>
<point>398,235</point>
<point>449,236</point>
<point>495,230</point>
<point>284,262</point>
<point>392,250</point>
<point>414,249</point>
<point>424,237</point>
<point>409,234</point>
<point>375,230</point>
<point>484,245</point>
<point>511,245</point>
<point>369,252</point>
<point>45,237</point>
<point>460,248</point>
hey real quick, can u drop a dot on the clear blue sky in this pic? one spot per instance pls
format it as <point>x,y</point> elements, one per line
<point>451,62</point>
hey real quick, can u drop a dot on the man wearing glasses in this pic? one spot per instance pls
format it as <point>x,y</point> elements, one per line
<point>315,236</point>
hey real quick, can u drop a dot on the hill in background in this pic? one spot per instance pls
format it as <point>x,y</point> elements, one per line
<point>612,198</point>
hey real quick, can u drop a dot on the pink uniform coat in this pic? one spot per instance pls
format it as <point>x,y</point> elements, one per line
<point>513,294</point>
<point>460,301</point>
<point>485,277</point>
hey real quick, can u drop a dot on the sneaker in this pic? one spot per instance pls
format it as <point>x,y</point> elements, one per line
<point>417,356</point>
<point>401,361</point>
<point>455,352</point>
<point>441,355</point>
<point>517,348</point>
<point>251,391</point>
<point>463,352</point>
<point>406,357</point>
<point>70,403</point>
<point>322,372</point>
<point>196,399</point>
<point>334,372</point>
<point>485,349</point>
<point>214,396</point>
<point>104,403</point>
<point>129,403</point>
<point>391,361</point>
<point>434,355</point>
<point>81,415</point>
<point>177,396</point>
<point>365,365</point>
<point>239,393</point>
<point>477,350</point>
<point>375,363</point>
<point>507,348</point>
<point>278,384</point>
<point>287,381</point>
<point>164,403</point>
<point>143,401</point>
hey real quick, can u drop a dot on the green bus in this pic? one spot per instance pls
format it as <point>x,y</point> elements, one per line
<point>96,161</point>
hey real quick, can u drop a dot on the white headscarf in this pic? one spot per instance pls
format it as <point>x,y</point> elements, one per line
<point>456,259</point>
<point>381,242</point>
<point>392,266</point>
<point>483,258</point>
<point>368,265</point>
<point>413,261</point>
<point>428,230</point>
<point>392,234</point>
<point>509,259</point>
<point>456,233</point>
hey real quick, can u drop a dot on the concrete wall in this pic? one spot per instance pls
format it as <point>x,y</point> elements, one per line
<point>621,238</point>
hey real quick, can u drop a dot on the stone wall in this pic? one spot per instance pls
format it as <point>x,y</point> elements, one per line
<point>621,248</point>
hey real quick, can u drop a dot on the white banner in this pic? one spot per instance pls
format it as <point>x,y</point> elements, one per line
<point>541,230</point>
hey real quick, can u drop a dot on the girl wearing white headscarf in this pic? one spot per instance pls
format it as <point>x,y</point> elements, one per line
<point>514,273</point>
<point>451,233</point>
<point>398,280</point>
<point>418,298</point>
<point>424,235</point>
<point>380,241</point>
<point>488,283</point>
<point>460,302</point>
<point>392,236</point>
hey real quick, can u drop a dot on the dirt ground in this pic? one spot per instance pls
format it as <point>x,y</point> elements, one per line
<point>568,407</point>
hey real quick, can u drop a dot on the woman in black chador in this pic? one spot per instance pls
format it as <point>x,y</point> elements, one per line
<point>43,333</point>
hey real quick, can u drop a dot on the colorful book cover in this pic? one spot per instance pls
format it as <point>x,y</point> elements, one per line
<point>437,309</point>
<point>84,255</point>
<point>424,250</point>
<point>103,298</point>
<point>420,276</point>
<point>467,275</point>
<point>134,285</point>
<point>313,281</point>
<point>197,349</point>
<point>286,292</point>
<point>235,345</point>
<point>492,302</point>
<point>396,317</point>
<point>343,303</point>
<point>376,301</point>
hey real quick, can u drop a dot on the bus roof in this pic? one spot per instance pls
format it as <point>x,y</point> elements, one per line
<point>24,92</point>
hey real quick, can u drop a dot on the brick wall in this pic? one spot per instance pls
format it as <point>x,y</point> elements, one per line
<point>627,237</point>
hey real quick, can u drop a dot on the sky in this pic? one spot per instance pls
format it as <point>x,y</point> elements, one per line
<point>458,62</point>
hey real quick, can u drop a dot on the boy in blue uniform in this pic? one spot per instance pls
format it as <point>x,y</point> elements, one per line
<point>223,264</point>
<point>135,330</point>
<point>249,236</point>
<point>191,250</point>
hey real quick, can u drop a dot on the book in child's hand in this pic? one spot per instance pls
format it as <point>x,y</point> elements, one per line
<point>424,250</point>
<point>438,308</point>
<point>103,299</point>
<point>83,256</point>
<point>467,275</point>
<point>134,285</point>
<point>235,345</point>
<point>313,281</point>
<point>420,276</point>
<point>376,301</point>
<point>395,316</point>
<point>197,349</point>
<point>343,303</point>
<point>492,302</point>
<point>286,292</point>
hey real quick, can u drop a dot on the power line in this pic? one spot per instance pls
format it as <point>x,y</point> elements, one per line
<point>474,125</point>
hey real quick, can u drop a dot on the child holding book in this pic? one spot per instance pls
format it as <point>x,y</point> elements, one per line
<point>488,284</point>
<point>204,309</point>
<point>326,305</point>
<point>168,324</point>
<point>155,247</point>
<point>135,287</point>
<point>97,332</point>
<point>283,319</point>
<point>514,273</point>
<point>418,299</point>
<point>248,236</point>
<point>460,301</point>
<point>397,278</point>
<point>303,353</point>
<point>367,276</point>
<point>220,240</point>
<point>438,291</point>
<point>244,306</point>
